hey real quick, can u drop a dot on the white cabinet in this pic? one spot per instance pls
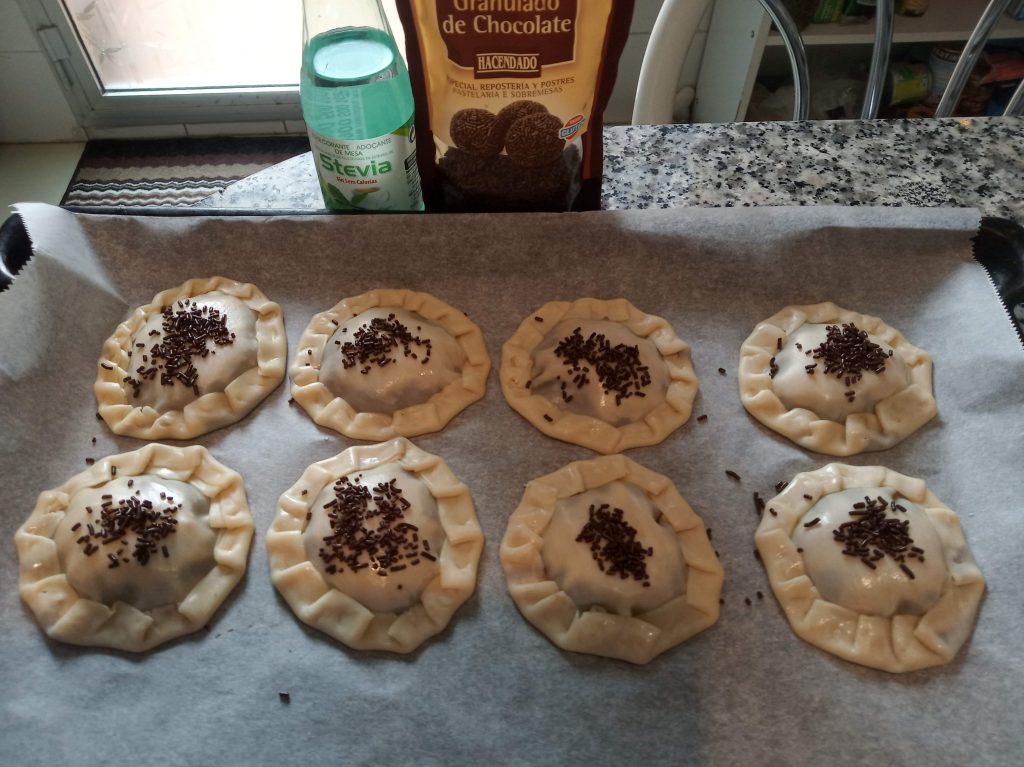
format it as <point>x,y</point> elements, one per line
<point>740,39</point>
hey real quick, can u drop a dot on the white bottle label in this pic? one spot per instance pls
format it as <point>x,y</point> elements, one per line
<point>369,174</point>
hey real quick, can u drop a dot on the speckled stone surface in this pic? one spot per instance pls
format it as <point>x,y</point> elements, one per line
<point>974,162</point>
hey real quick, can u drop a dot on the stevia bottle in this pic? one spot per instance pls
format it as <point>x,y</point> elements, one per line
<point>358,107</point>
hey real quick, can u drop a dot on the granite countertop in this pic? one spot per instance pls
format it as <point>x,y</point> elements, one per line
<point>972,162</point>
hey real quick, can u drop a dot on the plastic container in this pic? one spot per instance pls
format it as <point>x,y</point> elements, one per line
<point>358,106</point>
<point>907,83</point>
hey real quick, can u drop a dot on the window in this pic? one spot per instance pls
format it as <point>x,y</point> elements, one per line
<point>138,62</point>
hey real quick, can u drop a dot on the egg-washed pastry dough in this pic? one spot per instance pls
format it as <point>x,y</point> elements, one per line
<point>310,586</point>
<point>230,385</point>
<point>179,589</point>
<point>899,408</point>
<point>689,572</point>
<point>543,388</point>
<point>425,394</point>
<point>897,640</point>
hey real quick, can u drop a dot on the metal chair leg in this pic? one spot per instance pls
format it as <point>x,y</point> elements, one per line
<point>797,56</point>
<point>1016,106</point>
<point>968,59</point>
<point>884,14</point>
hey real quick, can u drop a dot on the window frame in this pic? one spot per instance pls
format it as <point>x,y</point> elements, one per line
<point>97,108</point>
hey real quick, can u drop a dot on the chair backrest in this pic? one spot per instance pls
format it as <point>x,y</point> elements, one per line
<point>677,22</point>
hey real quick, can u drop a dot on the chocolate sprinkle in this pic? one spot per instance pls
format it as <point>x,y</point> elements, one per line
<point>150,525</point>
<point>732,475</point>
<point>847,352</point>
<point>375,343</point>
<point>871,535</point>
<point>284,697</point>
<point>613,544</point>
<point>702,418</point>
<point>721,371</point>
<point>188,329</point>
<point>618,368</point>
<point>369,528</point>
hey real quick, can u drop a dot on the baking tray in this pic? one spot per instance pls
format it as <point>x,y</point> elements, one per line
<point>998,247</point>
<point>492,690</point>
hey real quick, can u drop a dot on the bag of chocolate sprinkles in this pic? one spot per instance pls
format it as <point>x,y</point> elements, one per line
<point>509,99</point>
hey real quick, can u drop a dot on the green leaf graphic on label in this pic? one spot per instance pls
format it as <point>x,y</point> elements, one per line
<point>336,199</point>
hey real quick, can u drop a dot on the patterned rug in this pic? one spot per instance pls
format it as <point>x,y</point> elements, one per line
<point>171,172</point>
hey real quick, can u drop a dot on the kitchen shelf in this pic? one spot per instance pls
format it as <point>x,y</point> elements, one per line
<point>740,34</point>
<point>943,21</point>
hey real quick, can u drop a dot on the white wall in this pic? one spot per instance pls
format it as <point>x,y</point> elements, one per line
<point>33,107</point>
<point>32,103</point>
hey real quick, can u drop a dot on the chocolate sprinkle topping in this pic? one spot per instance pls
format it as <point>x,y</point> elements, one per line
<point>374,342</point>
<point>871,535</point>
<point>369,529</point>
<point>847,352</point>
<point>732,475</point>
<point>618,368</point>
<point>150,525</point>
<point>188,329</point>
<point>702,418</point>
<point>613,544</point>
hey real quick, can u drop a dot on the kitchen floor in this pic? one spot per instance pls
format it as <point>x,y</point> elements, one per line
<point>36,172</point>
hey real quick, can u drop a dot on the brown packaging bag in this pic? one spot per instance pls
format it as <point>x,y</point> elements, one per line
<point>509,99</point>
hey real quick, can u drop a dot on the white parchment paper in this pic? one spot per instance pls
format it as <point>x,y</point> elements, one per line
<point>490,689</point>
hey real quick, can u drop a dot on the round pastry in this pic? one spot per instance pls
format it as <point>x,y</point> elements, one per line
<point>377,546</point>
<point>835,381</point>
<point>389,363</point>
<point>140,548</point>
<point>473,131</point>
<point>869,565</point>
<point>601,374</point>
<point>605,557</point>
<point>534,140</point>
<point>509,114</point>
<point>199,357</point>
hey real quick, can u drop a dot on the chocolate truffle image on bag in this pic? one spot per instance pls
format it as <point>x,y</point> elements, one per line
<point>509,99</point>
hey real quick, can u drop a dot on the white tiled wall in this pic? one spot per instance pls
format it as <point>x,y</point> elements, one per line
<point>33,107</point>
